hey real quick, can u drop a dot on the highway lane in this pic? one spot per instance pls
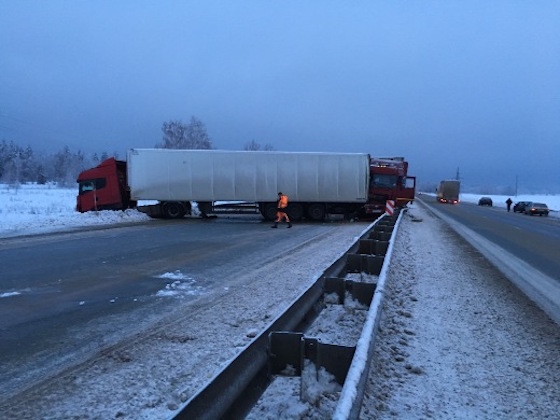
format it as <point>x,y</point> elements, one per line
<point>53,272</point>
<point>533,239</point>
<point>86,291</point>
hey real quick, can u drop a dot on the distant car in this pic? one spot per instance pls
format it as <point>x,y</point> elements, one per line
<point>485,201</point>
<point>520,206</point>
<point>536,208</point>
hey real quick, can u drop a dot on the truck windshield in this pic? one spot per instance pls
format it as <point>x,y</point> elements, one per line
<point>384,181</point>
<point>91,185</point>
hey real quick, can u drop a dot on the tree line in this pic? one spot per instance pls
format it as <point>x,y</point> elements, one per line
<point>23,165</point>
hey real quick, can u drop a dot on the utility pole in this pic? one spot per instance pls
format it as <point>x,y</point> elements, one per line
<point>516,185</point>
<point>457,175</point>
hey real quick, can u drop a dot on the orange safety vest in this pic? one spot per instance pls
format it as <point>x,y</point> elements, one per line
<point>283,201</point>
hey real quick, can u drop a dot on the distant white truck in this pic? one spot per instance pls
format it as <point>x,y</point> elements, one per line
<point>448,191</point>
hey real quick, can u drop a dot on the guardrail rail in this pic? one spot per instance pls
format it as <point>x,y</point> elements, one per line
<point>284,349</point>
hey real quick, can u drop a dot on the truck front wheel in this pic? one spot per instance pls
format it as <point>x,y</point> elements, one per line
<point>316,212</point>
<point>174,210</point>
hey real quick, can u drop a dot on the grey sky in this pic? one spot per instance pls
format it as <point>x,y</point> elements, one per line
<point>447,84</point>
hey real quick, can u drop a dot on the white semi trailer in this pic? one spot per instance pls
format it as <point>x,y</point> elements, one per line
<point>316,183</point>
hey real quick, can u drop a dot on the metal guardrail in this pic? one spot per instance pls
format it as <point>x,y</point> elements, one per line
<point>351,397</point>
<point>237,387</point>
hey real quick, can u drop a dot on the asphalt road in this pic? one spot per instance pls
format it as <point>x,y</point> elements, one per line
<point>84,291</point>
<point>78,291</point>
<point>533,239</point>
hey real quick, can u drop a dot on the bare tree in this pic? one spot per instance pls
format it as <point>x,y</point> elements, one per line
<point>178,135</point>
<point>22,165</point>
<point>67,165</point>
<point>255,146</point>
<point>17,164</point>
<point>252,145</point>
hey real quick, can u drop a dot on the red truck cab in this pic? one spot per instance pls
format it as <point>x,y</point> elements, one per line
<point>389,180</point>
<point>104,187</point>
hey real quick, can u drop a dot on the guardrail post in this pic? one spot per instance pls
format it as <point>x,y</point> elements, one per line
<point>285,350</point>
<point>372,246</point>
<point>359,263</point>
<point>333,358</point>
<point>291,352</point>
<point>360,291</point>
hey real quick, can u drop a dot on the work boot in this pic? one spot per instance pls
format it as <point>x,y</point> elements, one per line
<point>275,225</point>
<point>289,225</point>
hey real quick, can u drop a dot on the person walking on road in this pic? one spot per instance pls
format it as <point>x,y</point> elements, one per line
<point>508,203</point>
<point>281,210</point>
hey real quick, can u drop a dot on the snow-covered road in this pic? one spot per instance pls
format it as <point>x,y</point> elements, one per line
<point>457,340</point>
<point>151,376</point>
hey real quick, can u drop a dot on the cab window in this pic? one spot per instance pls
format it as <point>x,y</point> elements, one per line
<point>384,181</point>
<point>92,185</point>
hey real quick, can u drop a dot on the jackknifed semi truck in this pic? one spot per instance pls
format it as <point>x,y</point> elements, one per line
<point>448,191</point>
<point>221,181</point>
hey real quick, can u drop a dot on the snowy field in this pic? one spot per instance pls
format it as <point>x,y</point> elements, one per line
<point>36,209</point>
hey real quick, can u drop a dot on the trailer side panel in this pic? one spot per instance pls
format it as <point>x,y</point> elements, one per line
<point>217,175</point>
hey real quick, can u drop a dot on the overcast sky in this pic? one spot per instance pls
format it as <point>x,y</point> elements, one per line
<point>473,85</point>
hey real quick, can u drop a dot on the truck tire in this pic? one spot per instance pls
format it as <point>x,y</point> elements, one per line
<point>205,208</point>
<point>316,211</point>
<point>174,210</point>
<point>268,211</point>
<point>295,211</point>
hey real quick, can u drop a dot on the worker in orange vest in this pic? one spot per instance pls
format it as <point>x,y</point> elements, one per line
<point>281,210</point>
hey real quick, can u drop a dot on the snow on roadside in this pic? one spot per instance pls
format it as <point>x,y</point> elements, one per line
<point>181,285</point>
<point>457,340</point>
<point>31,209</point>
<point>9,294</point>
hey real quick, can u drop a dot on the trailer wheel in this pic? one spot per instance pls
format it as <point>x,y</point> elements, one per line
<point>316,211</point>
<point>174,210</point>
<point>295,211</point>
<point>204,207</point>
<point>268,211</point>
